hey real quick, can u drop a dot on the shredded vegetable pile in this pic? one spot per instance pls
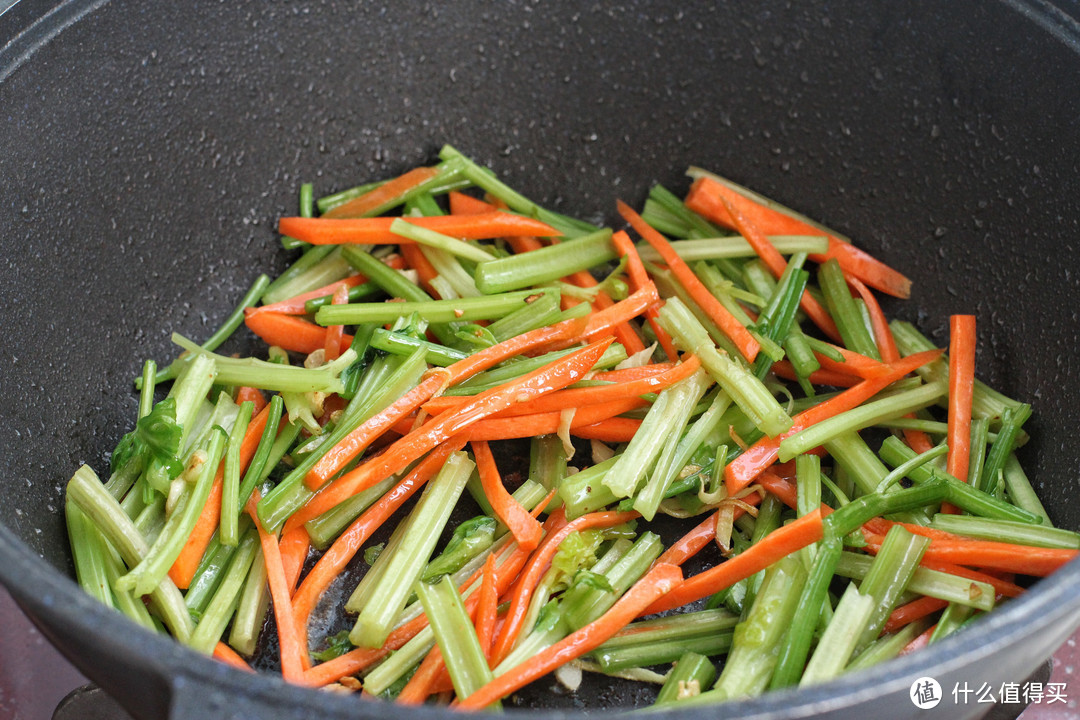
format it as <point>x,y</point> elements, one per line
<point>731,372</point>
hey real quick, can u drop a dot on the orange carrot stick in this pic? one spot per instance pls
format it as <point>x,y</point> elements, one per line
<point>187,562</point>
<point>990,555</point>
<point>359,439</point>
<point>774,260</point>
<point>961,387</point>
<point>703,199</point>
<point>783,369</point>
<point>487,608</point>
<point>577,397</point>
<point>422,684</point>
<point>635,269</point>
<point>462,204</point>
<point>602,322</point>
<point>883,337</point>
<point>227,655</point>
<point>551,377</point>
<point>776,545</point>
<point>296,305</point>
<point>425,271</point>
<point>719,314</point>
<point>624,334</point>
<point>658,581</point>
<point>334,333</point>
<point>252,395</point>
<point>376,230</point>
<point>920,642</point>
<point>294,656</point>
<point>294,546</point>
<point>912,611</point>
<point>557,531</point>
<point>741,471</point>
<point>290,332</point>
<point>523,426</point>
<point>388,191</point>
<point>526,531</point>
<point>616,429</point>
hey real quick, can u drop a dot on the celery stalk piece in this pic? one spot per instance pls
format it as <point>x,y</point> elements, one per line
<point>736,246</point>
<point>808,483</point>
<point>230,488</point>
<point>455,636</point>
<point>434,311</point>
<point>271,376</point>
<point>888,646</point>
<point>403,567</point>
<point>586,491</point>
<point>582,603</point>
<point>952,619</point>
<point>542,311</point>
<point>251,608</point>
<point>888,578</point>
<point>665,419</point>
<point>280,288</point>
<point>88,552</point>
<point>749,393</point>
<point>753,655</point>
<point>546,264</point>
<point>844,311</point>
<point>895,452</point>
<point>86,491</point>
<point>219,611</point>
<point>691,674</point>
<point>550,628</point>
<point>398,343</point>
<point>665,639</point>
<point>1020,492</point>
<point>924,581</point>
<point>431,238</point>
<point>861,417</point>
<point>451,272</point>
<point>677,452</point>
<point>208,574</point>
<point>154,567</point>
<point>1012,420</point>
<point>1019,533</point>
<point>841,635</point>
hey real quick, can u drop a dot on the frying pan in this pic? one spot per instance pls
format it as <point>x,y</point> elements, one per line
<point>148,147</point>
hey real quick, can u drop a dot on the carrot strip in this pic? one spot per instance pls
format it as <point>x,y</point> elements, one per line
<point>252,395</point>
<point>624,334</point>
<point>783,369</point>
<point>920,642</point>
<point>853,364</point>
<point>774,546</point>
<point>290,332</point>
<point>487,608</point>
<point>774,261</point>
<point>334,333</point>
<point>703,199</point>
<point>294,546</point>
<point>187,562</point>
<point>425,271</point>
<point>912,611</point>
<point>987,554</point>
<point>345,547</point>
<point>376,230</point>
<point>421,685</point>
<point>658,581</point>
<point>524,244</point>
<point>359,439</point>
<point>883,337</point>
<point>383,194</point>
<point>577,397</point>
<point>551,377</point>
<point>719,314</point>
<point>691,543</point>
<point>615,429</point>
<point>462,204</point>
<point>741,471</point>
<point>635,269</point>
<point>538,563</point>
<point>522,426</point>
<point>227,655</point>
<point>526,531</point>
<point>296,305</point>
<point>294,655</point>
<point>961,388</point>
<point>601,323</point>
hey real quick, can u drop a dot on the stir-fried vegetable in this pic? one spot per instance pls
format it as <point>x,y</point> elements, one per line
<point>864,490</point>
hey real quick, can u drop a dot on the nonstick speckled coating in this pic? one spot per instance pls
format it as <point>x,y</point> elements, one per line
<point>148,148</point>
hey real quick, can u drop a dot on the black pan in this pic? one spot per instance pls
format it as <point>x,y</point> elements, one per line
<point>148,146</point>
